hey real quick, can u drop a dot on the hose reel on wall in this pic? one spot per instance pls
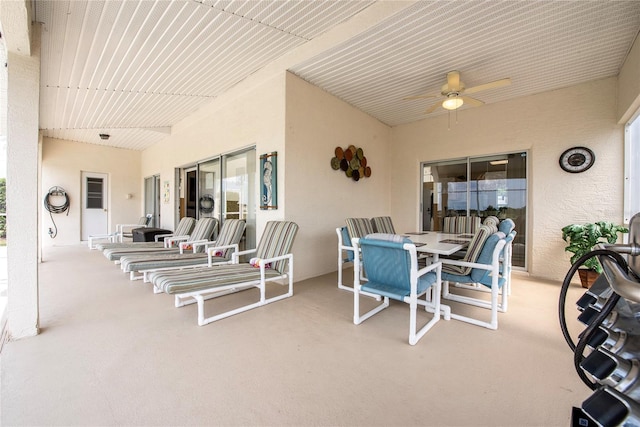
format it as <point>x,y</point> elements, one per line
<point>56,201</point>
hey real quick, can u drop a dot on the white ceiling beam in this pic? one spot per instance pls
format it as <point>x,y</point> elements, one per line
<point>15,18</point>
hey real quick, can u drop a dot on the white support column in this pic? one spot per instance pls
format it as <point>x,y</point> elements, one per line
<point>23,158</point>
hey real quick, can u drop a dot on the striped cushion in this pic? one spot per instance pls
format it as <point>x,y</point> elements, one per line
<point>383,224</point>
<point>116,253</point>
<point>204,230</point>
<point>491,220</point>
<point>181,281</point>
<point>359,227</point>
<point>118,245</point>
<point>449,224</point>
<point>277,240</point>
<point>473,251</point>
<point>185,226</point>
<point>230,234</point>
<point>138,261</point>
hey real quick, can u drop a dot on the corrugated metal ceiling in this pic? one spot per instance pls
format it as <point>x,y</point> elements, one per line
<point>130,67</point>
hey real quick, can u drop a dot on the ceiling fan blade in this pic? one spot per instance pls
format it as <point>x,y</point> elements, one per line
<point>433,108</point>
<point>490,85</point>
<point>421,97</point>
<point>471,101</point>
<point>453,81</point>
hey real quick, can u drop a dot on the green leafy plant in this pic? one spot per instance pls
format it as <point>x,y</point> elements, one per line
<point>583,237</point>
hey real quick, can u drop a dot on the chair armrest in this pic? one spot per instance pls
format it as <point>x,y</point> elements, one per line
<point>197,243</point>
<point>236,255</point>
<point>430,267</point>
<point>157,237</point>
<point>191,245</point>
<point>175,239</point>
<point>263,262</point>
<point>212,250</point>
<point>466,264</point>
<point>121,226</point>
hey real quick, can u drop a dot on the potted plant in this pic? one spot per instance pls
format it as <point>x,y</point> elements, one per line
<point>582,238</point>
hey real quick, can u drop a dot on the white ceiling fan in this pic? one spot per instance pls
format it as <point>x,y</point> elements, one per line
<point>454,92</point>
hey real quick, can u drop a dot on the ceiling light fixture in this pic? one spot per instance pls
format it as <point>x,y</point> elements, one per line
<point>499,162</point>
<point>104,136</point>
<point>452,102</point>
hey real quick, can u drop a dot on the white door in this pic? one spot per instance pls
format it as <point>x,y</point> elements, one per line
<point>94,204</point>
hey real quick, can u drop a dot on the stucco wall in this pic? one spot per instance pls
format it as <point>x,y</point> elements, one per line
<point>544,125</point>
<point>629,85</point>
<point>254,117</point>
<point>63,163</point>
<point>318,197</point>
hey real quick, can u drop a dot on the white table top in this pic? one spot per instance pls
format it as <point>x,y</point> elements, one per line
<point>435,242</point>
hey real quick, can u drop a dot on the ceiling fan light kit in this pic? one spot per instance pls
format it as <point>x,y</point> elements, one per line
<point>452,103</point>
<point>454,92</point>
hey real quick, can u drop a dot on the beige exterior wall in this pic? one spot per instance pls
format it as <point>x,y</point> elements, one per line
<point>629,85</point>
<point>318,197</point>
<point>253,118</point>
<point>63,163</point>
<point>544,125</point>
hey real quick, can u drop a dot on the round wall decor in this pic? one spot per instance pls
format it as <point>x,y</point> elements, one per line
<point>352,162</point>
<point>577,159</point>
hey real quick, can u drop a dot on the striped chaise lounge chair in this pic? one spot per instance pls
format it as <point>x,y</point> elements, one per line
<point>215,252</point>
<point>185,228</point>
<point>122,230</point>
<point>273,262</point>
<point>202,232</point>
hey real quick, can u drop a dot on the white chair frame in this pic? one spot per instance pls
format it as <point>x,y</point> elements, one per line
<point>493,305</point>
<point>431,302</point>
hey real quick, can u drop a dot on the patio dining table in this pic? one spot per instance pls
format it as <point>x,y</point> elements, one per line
<point>437,243</point>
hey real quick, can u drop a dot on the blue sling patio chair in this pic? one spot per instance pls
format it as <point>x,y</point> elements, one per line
<point>506,226</point>
<point>218,251</point>
<point>203,231</point>
<point>356,228</point>
<point>391,266</point>
<point>272,262</point>
<point>184,228</point>
<point>482,270</point>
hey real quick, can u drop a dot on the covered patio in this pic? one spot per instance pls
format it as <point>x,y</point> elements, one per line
<point>111,352</point>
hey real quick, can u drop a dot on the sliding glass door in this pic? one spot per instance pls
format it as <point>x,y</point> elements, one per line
<point>239,191</point>
<point>209,189</point>
<point>474,188</point>
<point>224,188</point>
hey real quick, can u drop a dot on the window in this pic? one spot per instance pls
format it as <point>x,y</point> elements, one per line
<point>94,193</point>
<point>475,188</point>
